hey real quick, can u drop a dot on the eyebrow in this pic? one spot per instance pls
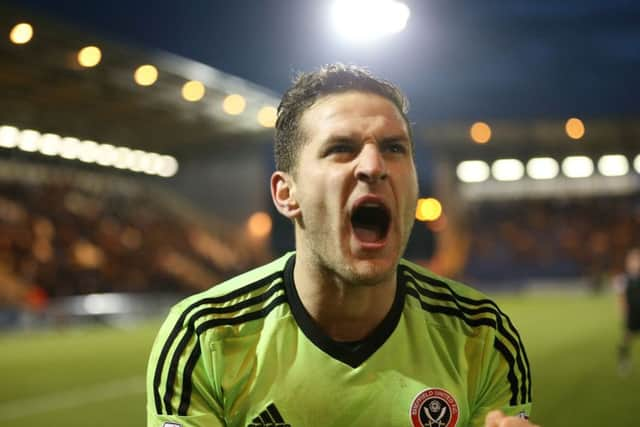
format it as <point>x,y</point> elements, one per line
<point>353,137</point>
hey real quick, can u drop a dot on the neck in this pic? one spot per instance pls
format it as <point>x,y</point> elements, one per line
<point>344,310</point>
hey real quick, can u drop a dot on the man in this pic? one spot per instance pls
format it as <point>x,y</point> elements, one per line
<point>343,332</point>
<point>628,287</point>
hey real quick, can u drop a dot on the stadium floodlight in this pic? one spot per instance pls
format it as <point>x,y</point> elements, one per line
<point>122,158</point>
<point>29,140</point>
<point>151,163</point>
<point>577,167</point>
<point>169,167</point>
<point>473,171</point>
<point>636,163</point>
<point>234,104</point>
<point>89,56</point>
<point>70,148</point>
<point>88,151</point>
<point>259,225</point>
<point>145,75</point>
<point>542,168</point>
<point>193,90</point>
<point>613,165</point>
<point>480,132</point>
<point>429,209</point>
<point>21,33</point>
<point>134,160</point>
<point>507,169</point>
<point>9,136</point>
<point>267,116</point>
<point>49,144</point>
<point>106,155</point>
<point>366,20</point>
<point>574,128</point>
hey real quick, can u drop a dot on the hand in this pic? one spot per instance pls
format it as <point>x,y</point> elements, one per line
<point>498,419</point>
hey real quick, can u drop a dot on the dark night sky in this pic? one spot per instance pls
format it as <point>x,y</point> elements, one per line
<point>456,59</point>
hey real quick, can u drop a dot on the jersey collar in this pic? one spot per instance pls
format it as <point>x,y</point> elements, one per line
<point>352,354</point>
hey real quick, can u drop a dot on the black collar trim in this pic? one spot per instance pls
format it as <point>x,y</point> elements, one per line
<point>352,355</point>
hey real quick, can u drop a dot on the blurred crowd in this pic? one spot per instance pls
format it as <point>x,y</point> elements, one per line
<point>59,239</point>
<point>552,238</point>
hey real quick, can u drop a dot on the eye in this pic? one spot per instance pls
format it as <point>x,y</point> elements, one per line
<point>395,147</point>
<point>340,147</point>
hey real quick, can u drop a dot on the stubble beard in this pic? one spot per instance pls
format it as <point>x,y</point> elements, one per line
<point>338,264</point>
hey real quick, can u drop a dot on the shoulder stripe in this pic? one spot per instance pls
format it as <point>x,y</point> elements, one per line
<point>451,296</point>
<point>157,378</point>
<point>191,329</point>
<point>513,381</point>
<point>187,382</point>
<point>451,311</point>
<point>188,370</point>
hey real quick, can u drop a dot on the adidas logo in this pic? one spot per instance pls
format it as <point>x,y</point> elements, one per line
<point>270,417</point>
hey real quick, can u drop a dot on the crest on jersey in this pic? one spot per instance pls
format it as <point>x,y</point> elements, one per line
<point>434,407</point>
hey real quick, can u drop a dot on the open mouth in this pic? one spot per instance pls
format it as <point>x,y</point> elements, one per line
<point>370,222</point>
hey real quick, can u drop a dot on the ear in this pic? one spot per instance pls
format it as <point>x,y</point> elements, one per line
<point>283,194</point>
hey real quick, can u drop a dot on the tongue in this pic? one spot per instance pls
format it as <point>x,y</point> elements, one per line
<point>367,234</point>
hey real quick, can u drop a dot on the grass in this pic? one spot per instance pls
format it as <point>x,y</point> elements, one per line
<point>94,375</point>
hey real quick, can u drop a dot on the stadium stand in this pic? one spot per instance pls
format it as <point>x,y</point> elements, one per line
<point>518,240</point>
<point>66,233</point>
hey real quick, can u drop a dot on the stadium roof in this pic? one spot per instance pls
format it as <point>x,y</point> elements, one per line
<point>521,65</point>
<point>45,88</point>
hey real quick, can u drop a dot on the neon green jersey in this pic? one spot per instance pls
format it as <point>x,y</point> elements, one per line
<point>246,353</point>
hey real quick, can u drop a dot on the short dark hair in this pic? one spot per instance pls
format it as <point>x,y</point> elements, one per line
<point>307,88</point>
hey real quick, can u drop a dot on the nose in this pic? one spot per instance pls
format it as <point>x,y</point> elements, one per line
<point>371,165</point>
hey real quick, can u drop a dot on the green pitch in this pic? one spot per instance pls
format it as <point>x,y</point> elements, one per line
<point>95,375</point>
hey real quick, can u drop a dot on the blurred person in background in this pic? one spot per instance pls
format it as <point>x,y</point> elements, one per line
<point>343,331</point>
<point>627,286</point>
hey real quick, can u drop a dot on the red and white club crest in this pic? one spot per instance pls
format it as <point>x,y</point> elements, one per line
<point>434,407</point>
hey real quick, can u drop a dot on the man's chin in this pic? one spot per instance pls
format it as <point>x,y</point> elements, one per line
<point>371,271</point>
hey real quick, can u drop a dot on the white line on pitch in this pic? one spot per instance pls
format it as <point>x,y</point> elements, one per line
<point>72,398</point>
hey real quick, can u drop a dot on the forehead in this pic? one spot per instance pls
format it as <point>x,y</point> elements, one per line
<point>352,112</point>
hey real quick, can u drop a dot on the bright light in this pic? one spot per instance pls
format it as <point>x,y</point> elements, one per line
<point>106,155</point>
<point>613,165</point>
<point>152,162</point>
<point>70,148</point>
<point>234,104</point>
<point>365,20</point>
<point>168,167</point>
<point>193,91</point>
<point>121,158</point>
<point>574,128</point>
<point>636,163</point>
<point>259,224</point>
<point>267,116</point>
<point>428,209</point>
<point>473,171</point>
<point>22,33</point>
<point>542,168</point>
<point>507,170</point>
<point>49,144</point>
<point>577,167</point>
<point>9,136</point>
<point>480,132</point>
<point>89,56</point>
<point>146,75</point>
<point>88,151</point>
<point>134,160</point>
<point>28,140</point>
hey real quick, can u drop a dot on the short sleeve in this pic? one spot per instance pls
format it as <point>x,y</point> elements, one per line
<point>506,376</point>
<point>179,390</point>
